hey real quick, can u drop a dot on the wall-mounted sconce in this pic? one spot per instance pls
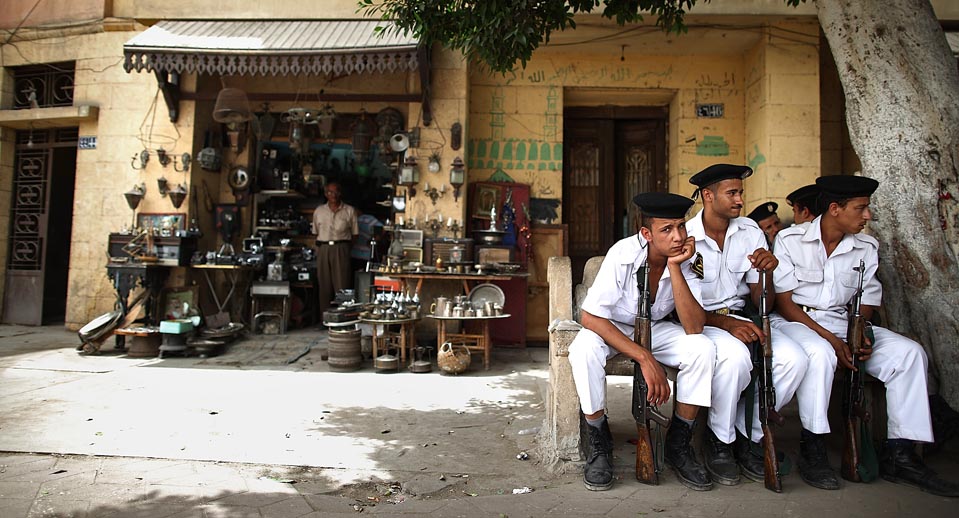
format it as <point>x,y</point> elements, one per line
<point>163,186</point>
<point>410,175</point>
<point>457,177</point>
<point>133,197</point>
<point>143,157</point>
<point>183,159</point>
<point>435,193</point>
<point>163,157</point>
<point>177,195</point>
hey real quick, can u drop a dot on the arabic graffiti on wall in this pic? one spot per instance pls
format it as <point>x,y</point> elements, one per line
<point>712,145</point>
<point>513,154</point>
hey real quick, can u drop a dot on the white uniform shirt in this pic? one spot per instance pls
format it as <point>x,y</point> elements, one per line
<point>614,294</point>
<point>724,271</point>
<point>826,283</point>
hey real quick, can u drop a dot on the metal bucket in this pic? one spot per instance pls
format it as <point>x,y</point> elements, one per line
<point>344,350</point>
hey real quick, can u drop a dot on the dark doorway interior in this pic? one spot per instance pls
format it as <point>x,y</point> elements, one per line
<point>59,226</point>
<point>611,154</point>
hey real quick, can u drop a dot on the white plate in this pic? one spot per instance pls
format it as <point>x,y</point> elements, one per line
<point>487,292</point>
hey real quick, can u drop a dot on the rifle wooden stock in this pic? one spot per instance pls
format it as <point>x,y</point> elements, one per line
<point>853,397</point>
<point>772,478</point>
<point>643,412</point>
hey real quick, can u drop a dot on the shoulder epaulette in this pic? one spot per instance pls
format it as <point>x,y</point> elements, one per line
<point>697,266</point>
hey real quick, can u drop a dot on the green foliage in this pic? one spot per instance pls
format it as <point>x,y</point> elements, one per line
<point>502,32</point>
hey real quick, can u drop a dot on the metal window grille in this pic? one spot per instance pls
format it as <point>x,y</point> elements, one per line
<point>43,86</point>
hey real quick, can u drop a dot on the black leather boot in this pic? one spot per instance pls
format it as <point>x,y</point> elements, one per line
<point>599,465</point>
<point>813,462</point>
<point>681,457</point>
<point>749,455</point>
<point>720,461</point>
<point>900,464</point>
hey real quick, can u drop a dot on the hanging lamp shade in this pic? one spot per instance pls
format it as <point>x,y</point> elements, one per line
<point>134,196</point>
<point>232,106</point>
<point>177,195</point>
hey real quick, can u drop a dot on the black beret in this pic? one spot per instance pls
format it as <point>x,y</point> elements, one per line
<point>663,204</point>
<point>845,186</point>
<point>718,172</point>
<point>805,195</point>
<point>763,211</point>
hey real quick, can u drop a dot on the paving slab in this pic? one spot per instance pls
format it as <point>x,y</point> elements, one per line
<point>250,435</point>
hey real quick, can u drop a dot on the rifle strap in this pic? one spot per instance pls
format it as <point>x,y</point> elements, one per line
<point>868,467</point>
<point>750,395</point>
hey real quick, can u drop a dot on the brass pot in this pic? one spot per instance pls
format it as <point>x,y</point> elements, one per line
<point>386,363</point>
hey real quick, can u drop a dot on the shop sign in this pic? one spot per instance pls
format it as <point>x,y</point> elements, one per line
<point>87,143</point>
<point>710,111</point>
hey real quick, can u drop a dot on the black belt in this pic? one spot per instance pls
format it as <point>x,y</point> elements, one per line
<point>331,243</point>
<point>808,309</point>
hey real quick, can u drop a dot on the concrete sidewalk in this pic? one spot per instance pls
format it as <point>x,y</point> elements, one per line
<point>245,434</point>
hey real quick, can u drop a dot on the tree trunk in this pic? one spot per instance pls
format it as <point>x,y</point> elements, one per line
<point>902,108</point>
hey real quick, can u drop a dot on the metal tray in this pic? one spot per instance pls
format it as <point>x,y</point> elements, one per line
<point>487,292</point>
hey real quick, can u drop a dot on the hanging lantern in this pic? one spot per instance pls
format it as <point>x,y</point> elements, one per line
<point>177,195</point>
<point>362,135</point>
<point>410,175</point>
<point>457,176</point>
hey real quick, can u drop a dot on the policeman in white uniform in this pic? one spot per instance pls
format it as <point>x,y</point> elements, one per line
<point>804,203</point>
<point>814,282</point>
<point>733,248</point>
<point>608,315</point>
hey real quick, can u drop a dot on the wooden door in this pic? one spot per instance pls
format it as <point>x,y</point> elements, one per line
<point>610,155</point>
<point>29,255</point>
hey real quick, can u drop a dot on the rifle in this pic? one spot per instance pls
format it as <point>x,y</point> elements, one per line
<point>853,398</point>
<point>647,470</point>
<point>767,400</point>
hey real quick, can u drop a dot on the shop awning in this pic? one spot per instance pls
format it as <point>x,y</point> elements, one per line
<point>270,48</point>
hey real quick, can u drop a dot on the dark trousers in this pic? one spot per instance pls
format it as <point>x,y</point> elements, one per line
<point>333,272</point>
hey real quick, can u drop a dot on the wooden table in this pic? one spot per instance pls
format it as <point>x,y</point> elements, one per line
<point>480,342</point>
<point>406,336</point>
<point>512,331</point>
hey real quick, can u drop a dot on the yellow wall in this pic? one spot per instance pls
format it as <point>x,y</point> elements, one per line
<point>104,173</point>
<point>770,95</point>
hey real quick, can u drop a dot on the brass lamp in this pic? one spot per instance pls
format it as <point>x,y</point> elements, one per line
<point>457,177</point>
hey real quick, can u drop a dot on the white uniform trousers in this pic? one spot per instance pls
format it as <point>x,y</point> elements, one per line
<point>693,355</point>
<point>816,386</point>
<point>731,376</point>
<point>790,366</point>
<point>900,363</point>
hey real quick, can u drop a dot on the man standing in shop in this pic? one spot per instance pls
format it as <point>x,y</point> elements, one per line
<point>335,225</point>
